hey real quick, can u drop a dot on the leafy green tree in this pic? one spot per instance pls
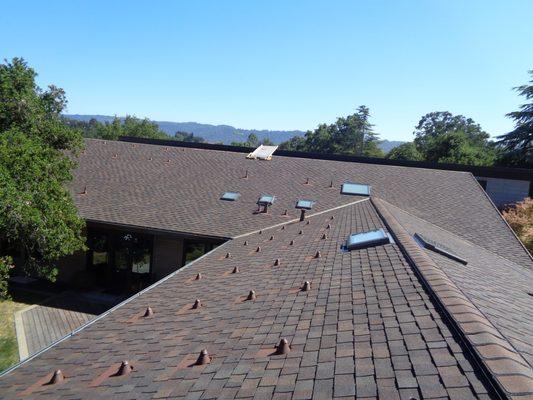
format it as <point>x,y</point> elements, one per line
<point>188,137</point>
<point>405,151</point>
<point>348,135</point>
<point>447,138</point>
<point>518,143</point>
<point>38,219</point>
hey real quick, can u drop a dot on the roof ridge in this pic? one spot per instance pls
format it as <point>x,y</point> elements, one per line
<point>298,219</point>
<point>515,378</point>
<point>454,234</point>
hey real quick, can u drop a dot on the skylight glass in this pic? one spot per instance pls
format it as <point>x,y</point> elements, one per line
<point>355,189</point>
<point>367,239</point>
<point>230,196</point>
<point>305,204</point>
<point>266,199</point>
<point>437,248</point>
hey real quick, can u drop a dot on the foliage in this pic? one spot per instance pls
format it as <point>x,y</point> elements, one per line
<point>188,137</point>
<point>129,126</point>
<point>6,264</point>
<point>520,218</point>
<point>442,137</point>
<point>253,141</point>
<point>518,143</point>
<point>348,135</point>
<point>38,219</point>
<point>405,151</point>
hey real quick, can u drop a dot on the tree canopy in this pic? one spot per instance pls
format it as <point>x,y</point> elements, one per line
<point>38,219</point>
<point>519,142</point>
<point>405,151</point>
<point>348,135</point>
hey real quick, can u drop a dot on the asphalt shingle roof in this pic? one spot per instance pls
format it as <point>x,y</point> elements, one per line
<point>366,328</point>
<point>178,189</point>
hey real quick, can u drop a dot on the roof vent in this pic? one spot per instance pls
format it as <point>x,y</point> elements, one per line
<point>251,296</point>
<point>149,312</point>
<point>198,277</point>
<point>228,255</point>
<point>230,196</point>
<point>306,286</point>
<point>317,254</point>
<point>283,347</point>
<point>277,262</point>
<point>307,181</point>
<point>197,304</point>
<point>235,270</point>
<point>324,236</point>
<point>357,189</point>
<point>258,249</point>
<point>358,241</point>
<point>262,153</point>
<point>291,243</point>
<point>271,237</point>
<point>203,358</point>
<point>124,369</point>
<point>438,248</point>
<point>265,201</point>
<point>246,243</point>
<point>57,377</point>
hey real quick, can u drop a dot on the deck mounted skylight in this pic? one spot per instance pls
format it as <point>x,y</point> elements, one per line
<point>230,196</point>
<point>305,204</point>
<point>437,248</point>
<point>266,200</point>
<point>367,239</point>
<point>355,189</point>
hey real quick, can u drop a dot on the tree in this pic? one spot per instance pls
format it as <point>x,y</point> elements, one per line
<point>348,135</point>
<point>446,138</point>
<point>188,137</point>
<point>38,219</point>
<point>405,151</point>
<point>519,142</point>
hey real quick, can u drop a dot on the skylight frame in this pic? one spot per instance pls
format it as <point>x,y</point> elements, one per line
<point>266,200</point>
<point>437,248</point>
<point>363,240</point>
<point>355,189</point>
<point>230,196</point>
<point>304,204</point>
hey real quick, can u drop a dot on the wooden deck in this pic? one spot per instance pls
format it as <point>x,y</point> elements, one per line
<point>40,325</point>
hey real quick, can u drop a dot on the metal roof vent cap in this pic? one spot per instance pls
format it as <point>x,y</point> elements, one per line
<point>317,254</point>
<point>251,295</point>
<point>235,270</point>
<point>265,201</point>
<point>291,243</point>
<point>246,243</point>
<point>197,304</point>
<point>149,312</point>
<point>258,249</point>
<point>228,255</point>
<point>306,286</point>
<point>124,369</point>
<point>57,377</point>
<point>277,262</point>
<point>324,236</point>
<point>203,358</point>
<point>198,277</point>
<point>271,237</point>
<point>283,347</point>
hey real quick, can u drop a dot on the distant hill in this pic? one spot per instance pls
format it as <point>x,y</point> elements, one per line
<point>220,133</point>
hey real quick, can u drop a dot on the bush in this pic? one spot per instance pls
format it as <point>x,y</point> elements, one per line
<point>520,218</point>
<point>6,264</point>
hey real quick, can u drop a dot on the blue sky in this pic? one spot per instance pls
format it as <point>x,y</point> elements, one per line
<point>278,64</point>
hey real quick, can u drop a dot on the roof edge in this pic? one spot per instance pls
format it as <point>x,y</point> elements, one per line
<point>505,368</point>
<point>488,172</point>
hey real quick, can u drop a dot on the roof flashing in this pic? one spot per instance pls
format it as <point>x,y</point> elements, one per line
<point>429,244</point>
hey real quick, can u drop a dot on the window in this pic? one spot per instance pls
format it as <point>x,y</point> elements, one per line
<point>230,196</point>
<point>305,204</point>
<point>437,248</point>
<point>367,239</point>
<point>355,189</point>
<point>266,199</point>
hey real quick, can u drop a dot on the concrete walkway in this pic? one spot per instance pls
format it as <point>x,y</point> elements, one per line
<point>40,325</point>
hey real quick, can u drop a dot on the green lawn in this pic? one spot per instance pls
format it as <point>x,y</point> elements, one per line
<point>8,340</point>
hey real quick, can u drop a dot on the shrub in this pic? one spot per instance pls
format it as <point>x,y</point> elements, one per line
<point>520,218</point>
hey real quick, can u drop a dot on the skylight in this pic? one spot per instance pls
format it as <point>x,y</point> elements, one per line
<point>305,204</point>
<point>377,237</point>
<point>230,196</point>
<point>437,248</point>
<point>266,200</point>
<point>355,189</point>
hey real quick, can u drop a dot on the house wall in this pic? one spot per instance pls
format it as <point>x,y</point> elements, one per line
<point>167,256</point>
<point>505,191</point>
